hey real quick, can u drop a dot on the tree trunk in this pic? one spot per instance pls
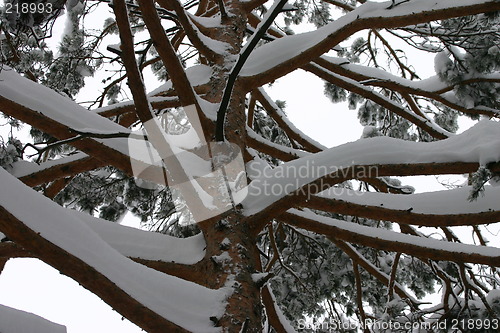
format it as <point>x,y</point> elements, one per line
<point>232,252</point>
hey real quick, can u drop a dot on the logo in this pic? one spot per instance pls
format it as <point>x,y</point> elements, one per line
<point>170,150</point>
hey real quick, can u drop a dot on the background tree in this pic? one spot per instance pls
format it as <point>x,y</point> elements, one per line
<point>342,242</point>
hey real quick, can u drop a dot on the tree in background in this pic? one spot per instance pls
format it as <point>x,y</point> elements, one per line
<point>323,234</point>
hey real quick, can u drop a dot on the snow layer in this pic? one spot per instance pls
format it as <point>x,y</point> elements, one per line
<point>51,104</point>
<point>207,22</point>
<point>158,99</point>
<point>17,321</point>
<point>432,83</point>
<point>197,75</point>
<point>439,202</point>
<point>64,111</point>
<point>59,108</point>
<point>142,244</point>
<point>392,236</point>
<point>481,144</point>
<point>23,168</point>
<point>280,113</point>
<point>182,302</point>
<point>283,49</point>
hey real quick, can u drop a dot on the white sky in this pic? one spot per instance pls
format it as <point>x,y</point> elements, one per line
<point>30,285</point>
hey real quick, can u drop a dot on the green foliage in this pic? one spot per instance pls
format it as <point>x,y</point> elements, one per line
<point>316,12</point>
<point>387,123</point>
<point>336,94</point>
<point>10,152</point>
<point>75,61</point>
<point>447,119</point>
<point>478,179</point>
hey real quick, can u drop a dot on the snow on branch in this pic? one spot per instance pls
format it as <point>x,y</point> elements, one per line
<point>165,253</point>
<point>208,47</point>
<point>359,259</point>
<point>284,55</point>
<point>387,240</point>
<point>277,318</point>
<point>15,321</point>
<point>431,87</point>
<point>62,118</point>
<point>271,191</point>
<point>433,209</point>
<point>263,145</point>
<point>58,237</point>
<point>198,75</point>
<point>47,102</point>
<point>286,125</point>
<point>249,47</point>
<point>123,108</point>
<point>33,174</point>
<point>174,171</point>
<point>423,122</point>
<point>134,243</point>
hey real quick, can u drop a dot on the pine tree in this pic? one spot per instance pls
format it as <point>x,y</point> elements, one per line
<point>258,245</point>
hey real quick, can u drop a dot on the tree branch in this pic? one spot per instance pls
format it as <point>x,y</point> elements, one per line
<point>407,216</point>
<point>403,86</point>
<point>359,296</point>
<point>292,132</point>
<point>174,67</point>
<point>174,170</point>
<point>52,170</point>
<point>392,241</point>
<point>85,274</point>
<point>370,268</point>
<point>187,26</point>
<point>244,54</point>
<point>372,15</point>
<point>265,146</point>
<point>351,85</point>
<point>260,217</point>
<point>61,131</point>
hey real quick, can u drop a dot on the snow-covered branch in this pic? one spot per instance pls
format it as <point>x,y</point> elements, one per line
<point>64,241</point>
<point>58,116</point>
<point>281,119</point>
<point>284,55</point>
<point>123,108</point>
<point>433,209</point>
<point>33,174</point>
<point>432,87</point>
<point>178,257</point>
<point>203,43</point>
<point>276,317</point>
<point>276,190</point>
<point>388,240</point>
